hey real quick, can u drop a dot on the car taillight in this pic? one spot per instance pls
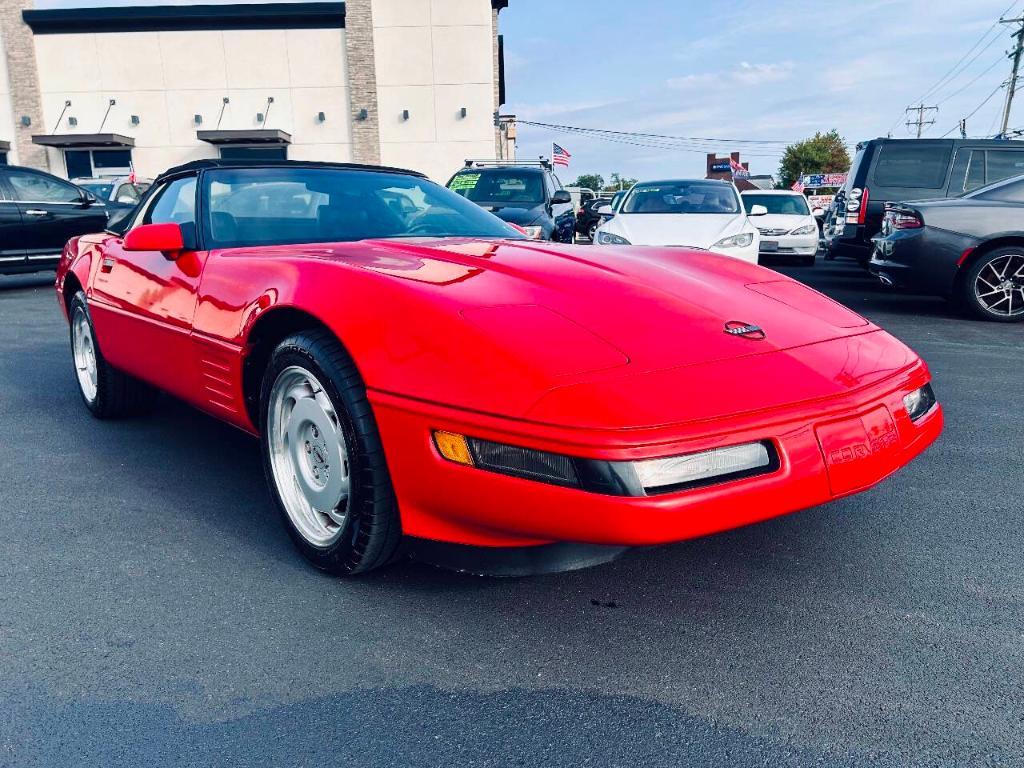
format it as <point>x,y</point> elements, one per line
<point>582,211</point>
<point>857,205</point>
<point>905,220</point>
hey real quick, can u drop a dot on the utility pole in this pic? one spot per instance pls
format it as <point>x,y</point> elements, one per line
<point>920,123</point>
<point>1012,86</point>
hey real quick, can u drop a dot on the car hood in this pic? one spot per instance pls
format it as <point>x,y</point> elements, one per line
<point>516,214</point>
<point>699,230</point>
<point>497,325</point>
<point>785,221</point>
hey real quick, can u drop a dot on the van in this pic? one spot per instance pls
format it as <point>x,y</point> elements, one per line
<point>895,170</point>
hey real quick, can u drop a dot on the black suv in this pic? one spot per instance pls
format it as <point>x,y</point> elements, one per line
<point>526,194</point>
<point>587,217</point>
<point>894,170</point>
<point>39,213</point>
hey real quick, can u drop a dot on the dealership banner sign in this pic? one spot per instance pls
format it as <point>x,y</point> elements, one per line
<point>823,179</point>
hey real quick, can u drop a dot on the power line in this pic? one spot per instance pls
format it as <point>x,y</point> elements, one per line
<point>974,112</point>
<point>701,139</point>
<point>952,71</point>
<point>978,77</point>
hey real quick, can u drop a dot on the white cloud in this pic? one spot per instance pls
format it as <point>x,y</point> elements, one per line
<point>756,74</point>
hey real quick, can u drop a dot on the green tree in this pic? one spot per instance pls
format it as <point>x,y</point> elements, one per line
<point>594,181</point>
<point>822,153</point>
<point>619,182</point>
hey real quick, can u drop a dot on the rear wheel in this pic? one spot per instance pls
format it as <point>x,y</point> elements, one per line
<point>592,231</point>
<point>993,287</point>
<point>106,392</point>
<point>323,457</point>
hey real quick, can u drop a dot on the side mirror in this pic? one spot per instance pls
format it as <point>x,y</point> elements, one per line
<point>757,210</point>
<point>561,197</point>
<point>818,213</point>
<point>166,238</point>
<point>87,198</point>
<point>604,210</point>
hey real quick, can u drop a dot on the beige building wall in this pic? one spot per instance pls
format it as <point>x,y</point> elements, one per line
<point>6,110</point>
<point>166,78</point>
<point>434,58</point>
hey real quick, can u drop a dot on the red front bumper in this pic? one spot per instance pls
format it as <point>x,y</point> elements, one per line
<point>827,449</point>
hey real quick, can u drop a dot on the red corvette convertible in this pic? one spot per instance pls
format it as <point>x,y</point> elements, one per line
<point>423,378</point>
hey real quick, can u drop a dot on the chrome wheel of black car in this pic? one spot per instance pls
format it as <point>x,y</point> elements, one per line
<point>996,285</point>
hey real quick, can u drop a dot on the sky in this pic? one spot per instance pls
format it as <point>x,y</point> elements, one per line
<point>769,71</point>
<point>760,73</point>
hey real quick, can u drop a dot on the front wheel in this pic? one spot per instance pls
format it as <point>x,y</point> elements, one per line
<point>993,288</point>
<point>106,392</point>
<point>592,232</point>
<point>323,457</point>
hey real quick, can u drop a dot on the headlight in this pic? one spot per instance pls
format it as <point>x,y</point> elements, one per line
<point>534,233</point>
<point>919,402</point>
<point>742,240</point>
<point>607,238</point>
<point>806,229</point>
<point>617,478</point>
<point>678,472</point>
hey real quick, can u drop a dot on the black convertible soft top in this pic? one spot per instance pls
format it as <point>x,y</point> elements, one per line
<point>197,165</point>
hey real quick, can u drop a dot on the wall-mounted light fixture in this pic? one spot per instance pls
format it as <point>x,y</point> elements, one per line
<point>26,121</point>
<point>320,117</point>
<point>362,114</point>
<point>197,119</point>
<point>405,114</point>
<point>259,117</point>
<point>72,121</point>
<point>135,120</point>
<point>462,112</point>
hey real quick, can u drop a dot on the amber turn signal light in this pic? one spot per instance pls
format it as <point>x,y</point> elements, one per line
<point>453,447</point>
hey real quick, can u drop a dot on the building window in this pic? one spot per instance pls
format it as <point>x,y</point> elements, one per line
<point>276,152</point>
<point>88,163</point>
<point>3,158</point>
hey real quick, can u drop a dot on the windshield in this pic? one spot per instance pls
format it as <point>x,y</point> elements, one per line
<point>274,206</point>
<point>787,205</point>
<point>522,189</point>
<point>98,188</point>
<point>682,197</point>
<point>1006,190</point>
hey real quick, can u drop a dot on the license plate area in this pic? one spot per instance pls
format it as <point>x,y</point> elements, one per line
<point>858,451</point>
<point>769,245</point>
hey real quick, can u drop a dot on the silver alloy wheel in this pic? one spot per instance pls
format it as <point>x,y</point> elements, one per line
<point>592,232</point>
<point>999,287</point>
<point>308,456</point>
<point>83,350</point>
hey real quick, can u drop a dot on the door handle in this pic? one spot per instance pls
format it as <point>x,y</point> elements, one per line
<point>35,212</point>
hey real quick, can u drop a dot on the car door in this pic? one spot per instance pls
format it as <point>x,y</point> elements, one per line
<point>12,246</point>
<point>143,302</point>
<point>52,212</point>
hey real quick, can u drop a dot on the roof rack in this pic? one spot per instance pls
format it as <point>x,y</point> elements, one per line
<point>541,162</point>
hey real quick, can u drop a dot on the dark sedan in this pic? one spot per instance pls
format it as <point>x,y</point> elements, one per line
<point>969,249</point>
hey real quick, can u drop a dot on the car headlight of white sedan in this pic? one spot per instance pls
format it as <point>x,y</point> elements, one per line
<point>609,238</point>
<point>534,233</point>
<point>806,229</point>
<point>742,240</point>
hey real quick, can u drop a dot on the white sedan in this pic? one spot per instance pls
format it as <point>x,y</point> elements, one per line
<point>788,229</point>
<point>696,213</point>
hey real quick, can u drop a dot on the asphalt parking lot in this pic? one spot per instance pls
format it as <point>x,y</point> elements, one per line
<point>153,611</point>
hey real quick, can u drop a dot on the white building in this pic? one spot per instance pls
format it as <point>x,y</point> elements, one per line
<point>92,91</point>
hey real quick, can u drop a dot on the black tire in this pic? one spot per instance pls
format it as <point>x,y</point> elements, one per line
<point>117,395</point>
<point>592,232</point>
<point>372,531</point>
<point>969,298</point>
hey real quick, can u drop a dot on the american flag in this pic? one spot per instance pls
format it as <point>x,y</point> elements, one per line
<point>559,156</point>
